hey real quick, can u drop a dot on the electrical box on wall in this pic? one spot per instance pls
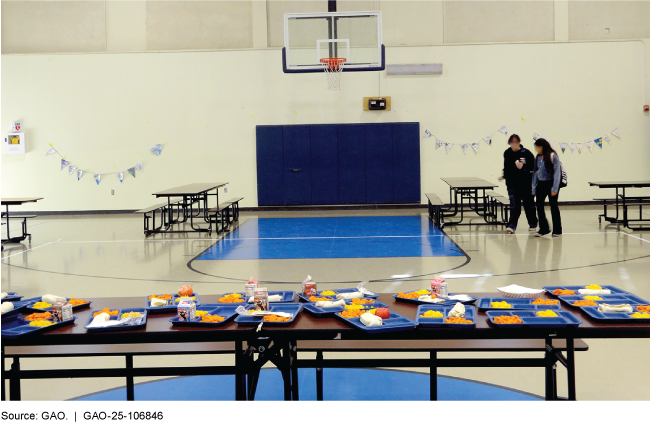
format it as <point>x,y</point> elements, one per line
<point>14,143</point>
<point>376,103</point>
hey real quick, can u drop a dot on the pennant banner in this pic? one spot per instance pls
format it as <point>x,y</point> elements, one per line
<point>448,146</point>
<point>475,146</point>
<point>488,140</point>
<point>554,145</point>
<point>79,174</point>
<point>64,163</point>
<point>132,171</point>
<point>71,170</point>
<point>606,138</point>
<point>536,137</point>
<point>579,147</point>
<point>599,142</point>
<point>439,143</point>
<point>157,149</point>
<point>120,175</point>
<point>616,132</point>
<point>50,151</point>
<point>504,130</point>
<point>563,146</point>
<point>97,178</point>
<point>139,167</point>
<point>572,146</point>
<point>590,145</point>
<point>464,146</point>
<point>427,134</point>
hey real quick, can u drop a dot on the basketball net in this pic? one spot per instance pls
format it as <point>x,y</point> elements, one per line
<point>333,67</point>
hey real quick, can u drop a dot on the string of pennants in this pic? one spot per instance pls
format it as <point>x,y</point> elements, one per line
<point>156,150</point>
<point>488,139</point>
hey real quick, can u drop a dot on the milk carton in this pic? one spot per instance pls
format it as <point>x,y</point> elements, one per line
<point>186,310</point>
<point>261,299</point>
<point>61,310</point>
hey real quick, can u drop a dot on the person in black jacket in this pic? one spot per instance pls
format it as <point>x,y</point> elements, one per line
<point>518,165</point>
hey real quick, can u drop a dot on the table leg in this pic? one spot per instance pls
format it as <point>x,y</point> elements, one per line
<point>2,371</point>
<point>130,389</point>
<point>571,368</point>
<point>319,375</point>
<point>549,357</point>
<point>294,370</point>
<point>433,376</point>
<point>240,375</point>
<point>14,380</point>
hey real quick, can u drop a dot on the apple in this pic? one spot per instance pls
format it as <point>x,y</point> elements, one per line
<point>185,291</point>
<point>382,313</point>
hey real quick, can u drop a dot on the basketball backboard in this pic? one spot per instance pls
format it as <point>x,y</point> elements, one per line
<point>353,36</point>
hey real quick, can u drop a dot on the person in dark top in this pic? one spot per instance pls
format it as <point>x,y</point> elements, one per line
<point>547,177</point>
<point>518,165</point>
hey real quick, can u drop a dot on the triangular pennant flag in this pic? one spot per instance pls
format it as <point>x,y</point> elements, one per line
<point>139,167</point>
<point>504,130</point>
<point>475,146</point>
<point>71,170</point>
<point>427,134</point>
<point>448,146</point>
<point>590,144</point>
<point>563,146</point>
<point>606,138</point>
<point>79,174</point>
<point>50,151</point>
<point>464,146</point>
<point>120,175</point>
<point>439,143</point>
<point>97,178</point>
<point>616,133</point>
<point>536,137</point>
<point>599,142</point>
<point>572,146</point>
<point>132,171</point>
<point>554,145</point>
<point>579,147</point>
<point>157,149</point>
<point>488,140</point>
<point>64,163</point>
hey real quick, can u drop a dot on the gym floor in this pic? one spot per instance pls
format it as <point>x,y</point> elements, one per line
<point>107,256</point>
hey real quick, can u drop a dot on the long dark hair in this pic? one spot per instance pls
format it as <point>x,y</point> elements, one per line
<point>547,150</point>
<point>546,154</point>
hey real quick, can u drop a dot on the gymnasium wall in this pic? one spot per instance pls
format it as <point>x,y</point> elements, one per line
<point>103,111</point>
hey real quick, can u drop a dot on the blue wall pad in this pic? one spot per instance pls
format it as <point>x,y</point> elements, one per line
<point>335,237</point>
<point>338,384</point>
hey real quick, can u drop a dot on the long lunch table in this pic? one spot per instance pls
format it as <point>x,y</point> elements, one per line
<point>473,190</point>
<point>280,345</point>
<point>190,193</point>
<point>621,202</point>
<point>17,201</point>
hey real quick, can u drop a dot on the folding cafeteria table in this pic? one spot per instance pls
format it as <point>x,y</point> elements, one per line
<point>6,202</point>
<point>473,190</point>
<point>621,200</point>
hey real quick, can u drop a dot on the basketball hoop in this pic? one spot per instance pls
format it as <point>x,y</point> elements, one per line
<point>333,67</point>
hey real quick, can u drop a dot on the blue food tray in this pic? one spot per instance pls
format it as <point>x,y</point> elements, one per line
<point>19,308</point>
<point>447,302</point>
<point>396,322</point>
<point>613,289</point>
<point>287,296</point>
<point>614,299</point>
<point>612,317</point>
<point>294,309</point>
<point>228,312</point>
<point>470,314</point>
<point>172,305</point>
<point>18,327</point>
<point>485,304</point>
<point>11,297</point>
<point>38,299</point>
<point>531,320</point>
<point>374,296</point>
<point>319,312</point>
<point>122,327</point>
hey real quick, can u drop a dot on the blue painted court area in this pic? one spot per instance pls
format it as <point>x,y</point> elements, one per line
<point>338,384</point>
<point>335,237</point>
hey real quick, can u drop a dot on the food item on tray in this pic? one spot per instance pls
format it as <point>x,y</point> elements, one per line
<point>38,316</point>
<point>42,305</point>
<point>108,311</point>
<point>541,301</point>
<point>503,305</point>
<point>49,298</point>
<point>561,292</point>
<point>432,314</point>
<point>356,313</point>
<point>592,298</point>
<point>371,320</point>
<point>330,303</point>
<point>271,298</point>
<point>165,296</point>
<point>507,319</point>
<point>431,299</point>
<point>547,314</point>
<point>317,299</point>
<point>185,291</point>
<point>102,317</point>
<point>178,299</point>
<point>41,323</point>
<point>276,318</point>
<point>643,308</point>
<point>457,311</point>
<point>201,313</point>
<point>594,287</point>
<point>584,303</point>
<point>350,295</point>
<point>4,295</point>
<point>6,307</point>
<point>328,293</point>
<point>205,317</point>
<point>415,294</point>
<point>231,298</point>
<point>355,307</point>
<point>77,302</point>
<point>604,307</point>
<point>383,313</point>
<point>158,302</point>
<point>458,320</point>
<point>357,301</point>
<point>640,315</point>
<point>131,315</point>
